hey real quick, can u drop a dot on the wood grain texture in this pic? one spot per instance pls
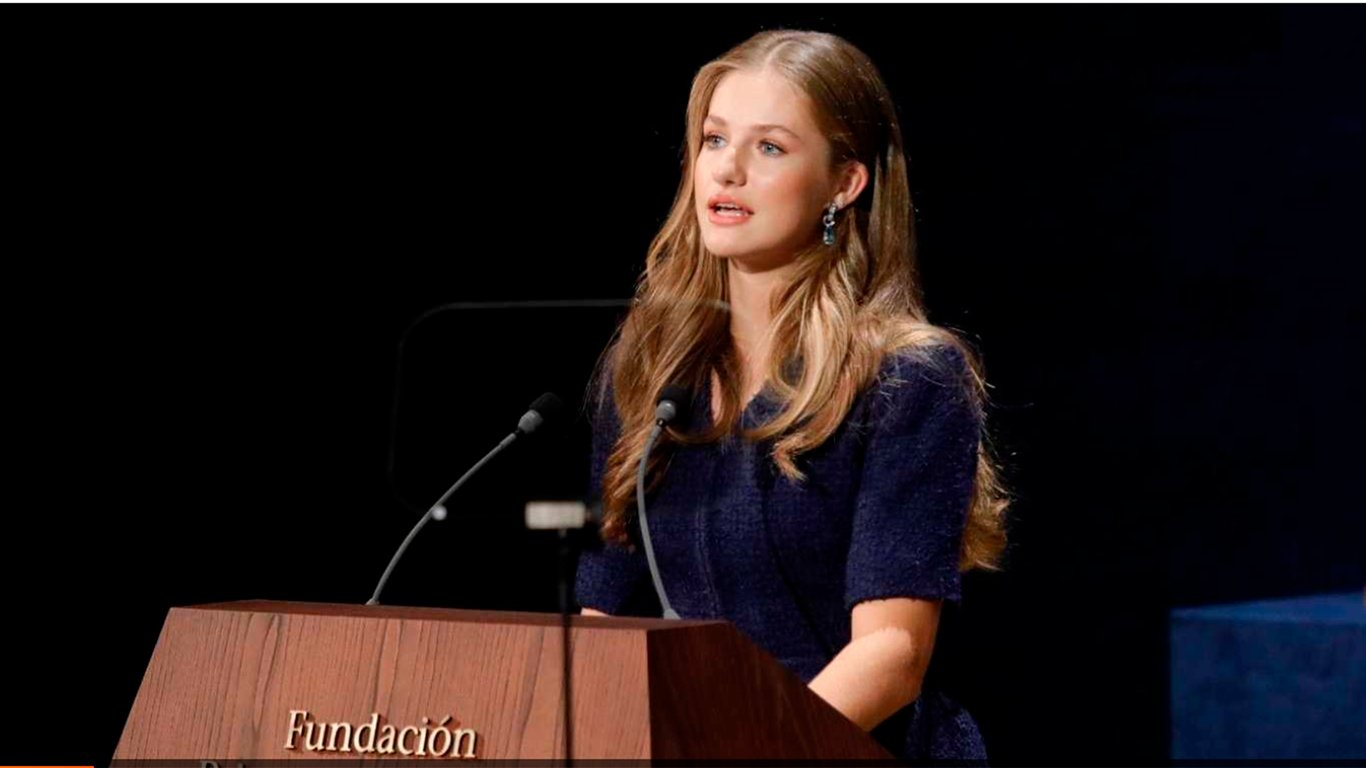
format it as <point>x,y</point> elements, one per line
<point>224,677</point>
<point>713,693</point>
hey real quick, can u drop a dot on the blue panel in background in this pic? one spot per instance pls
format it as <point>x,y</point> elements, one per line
<point>1270,679</point>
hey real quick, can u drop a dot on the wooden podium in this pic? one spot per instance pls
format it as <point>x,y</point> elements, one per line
<point>263,680</point>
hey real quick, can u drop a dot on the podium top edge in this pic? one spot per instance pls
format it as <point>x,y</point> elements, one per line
<point>351,610</point>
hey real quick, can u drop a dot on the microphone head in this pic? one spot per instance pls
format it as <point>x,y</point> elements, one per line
<point>547,405</point>
<point>672,403</point>
<point>544,407</point>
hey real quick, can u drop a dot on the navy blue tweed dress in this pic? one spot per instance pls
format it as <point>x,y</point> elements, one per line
<point>881,514</point>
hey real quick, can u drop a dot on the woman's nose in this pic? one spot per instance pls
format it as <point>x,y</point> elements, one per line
<point>726,166</point>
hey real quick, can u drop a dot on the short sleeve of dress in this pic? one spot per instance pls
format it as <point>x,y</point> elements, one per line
<point>916,482</point>
<point>612,579</point>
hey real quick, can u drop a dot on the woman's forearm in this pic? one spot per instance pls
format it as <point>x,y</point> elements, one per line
<point>873,677</point>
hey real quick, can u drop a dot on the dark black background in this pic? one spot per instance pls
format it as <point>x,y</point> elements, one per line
<point>1148,219</point>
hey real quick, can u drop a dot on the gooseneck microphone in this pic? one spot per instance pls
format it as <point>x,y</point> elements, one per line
<point>464,306</point>
<point>671,404</point>
<point>543,408</point>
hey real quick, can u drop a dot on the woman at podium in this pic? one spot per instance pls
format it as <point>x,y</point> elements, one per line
<point>831,481</point>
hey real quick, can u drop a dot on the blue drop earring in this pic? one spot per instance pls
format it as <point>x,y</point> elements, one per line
<point>829,221</point>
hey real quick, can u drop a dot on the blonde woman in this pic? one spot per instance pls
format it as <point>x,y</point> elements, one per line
<point>832,480</point>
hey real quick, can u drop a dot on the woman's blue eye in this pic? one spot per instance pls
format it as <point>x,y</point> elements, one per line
<point>707,141</point>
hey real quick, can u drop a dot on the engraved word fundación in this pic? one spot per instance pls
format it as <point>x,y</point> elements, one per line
<point>428,740</point>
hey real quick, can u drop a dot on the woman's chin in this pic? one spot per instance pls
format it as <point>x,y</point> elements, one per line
<point>726,246</point>
<point>737,255</point>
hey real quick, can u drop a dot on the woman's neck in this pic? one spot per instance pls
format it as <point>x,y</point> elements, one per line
<point>751,295</point>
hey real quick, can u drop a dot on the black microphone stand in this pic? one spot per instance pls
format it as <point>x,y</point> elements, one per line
<point>566,656</point>
<point>569,520</point>
<point>544,406</point>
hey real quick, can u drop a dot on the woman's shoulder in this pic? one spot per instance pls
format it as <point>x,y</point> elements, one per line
<point>937,367</point>
<point>935,359</point>
<point>914,380</point>
<point>906,348</point>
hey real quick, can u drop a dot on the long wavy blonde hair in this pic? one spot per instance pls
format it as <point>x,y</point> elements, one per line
<point>846,307</point>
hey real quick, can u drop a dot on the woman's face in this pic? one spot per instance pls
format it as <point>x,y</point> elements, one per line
<point>763,152</point>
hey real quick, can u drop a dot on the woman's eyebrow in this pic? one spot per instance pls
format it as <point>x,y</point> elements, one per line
<point>763,127</point>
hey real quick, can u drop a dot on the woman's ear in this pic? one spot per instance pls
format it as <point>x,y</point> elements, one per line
<point>850,181</point>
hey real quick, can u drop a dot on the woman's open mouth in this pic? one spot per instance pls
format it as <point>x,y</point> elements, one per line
<point>726,213</point>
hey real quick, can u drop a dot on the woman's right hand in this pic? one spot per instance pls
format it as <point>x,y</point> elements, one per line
<point>591,612</point>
